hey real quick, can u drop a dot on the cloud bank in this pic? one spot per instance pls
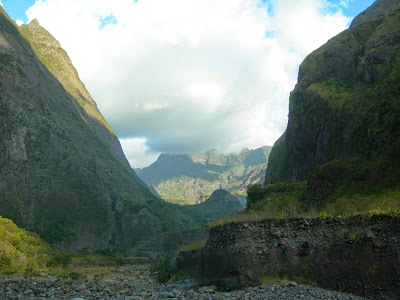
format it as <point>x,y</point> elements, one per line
<point>184,76</point>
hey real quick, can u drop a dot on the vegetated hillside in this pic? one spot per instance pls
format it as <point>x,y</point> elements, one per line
<point>62,171</point>
<point>20,249</point>
<point>342,142</point>
<point>220,203</point>
<point>190,179</point>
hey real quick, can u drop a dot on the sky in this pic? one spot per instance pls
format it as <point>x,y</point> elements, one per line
<point>187,76</point>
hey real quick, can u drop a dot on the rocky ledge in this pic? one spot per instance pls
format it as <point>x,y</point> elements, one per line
<point>360,254</point>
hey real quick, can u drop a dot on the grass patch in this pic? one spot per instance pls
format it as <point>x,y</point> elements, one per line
<point>72,275</point>
<point>193,246</point>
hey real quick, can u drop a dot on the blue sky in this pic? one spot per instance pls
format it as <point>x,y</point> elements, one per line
<point>17,8</point>
<point>350,8</point>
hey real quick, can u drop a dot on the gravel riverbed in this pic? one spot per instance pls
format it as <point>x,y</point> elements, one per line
<point>138,285</point>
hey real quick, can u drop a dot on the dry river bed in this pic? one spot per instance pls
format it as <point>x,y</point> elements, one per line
<point>136,283</point>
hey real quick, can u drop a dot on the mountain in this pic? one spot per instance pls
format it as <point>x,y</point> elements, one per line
<point>220,203</point>
<point>192,178</point>
<point>63,173</point>
<point>221,198</point>
<point>343,135</point>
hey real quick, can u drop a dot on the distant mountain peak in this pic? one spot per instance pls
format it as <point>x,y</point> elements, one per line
<point>189,178</point>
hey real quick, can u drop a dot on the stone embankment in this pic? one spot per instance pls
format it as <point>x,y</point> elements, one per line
<point>360,255</point>
<point>169,243</point>
<point>136,285</point>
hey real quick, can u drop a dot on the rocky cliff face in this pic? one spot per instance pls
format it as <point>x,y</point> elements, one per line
<point>188,179</point>
<point>357,255</point>
<point>345,105</point>
<point>62,171</point>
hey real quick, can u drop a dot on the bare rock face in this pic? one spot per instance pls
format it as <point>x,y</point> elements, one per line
<point>357,255</point>
<point>345,104</point>
<point>62,171</point>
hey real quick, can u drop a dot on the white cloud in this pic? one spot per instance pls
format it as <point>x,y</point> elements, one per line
<point>137,152</point>
<point>190,75</point>
<point>1,3</point>
<point>19,22</point>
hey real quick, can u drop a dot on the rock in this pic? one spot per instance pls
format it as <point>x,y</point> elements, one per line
<point>370,235</point>
<point>203,289</point>
<point>188,286</point>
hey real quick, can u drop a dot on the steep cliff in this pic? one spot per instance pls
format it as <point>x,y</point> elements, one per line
<point>344,125</point>
<point>62,171</point>
<point>358,255</point>
<point>189,179</point>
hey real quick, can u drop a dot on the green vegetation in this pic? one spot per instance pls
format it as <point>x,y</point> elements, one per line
<point>292,200</point>
<point>340,95</point>
<point>21,249</point>
<point>219,204</point>
<point>283,199</point>
<point>10,211</point>
<point>269,280</point>
<point>352,238</point>
<point>163,269</point>
<point>193,246</point>
<point>71,275</point>
<point>6,59</point>
<point>283,277</point>
<point>52,230</point>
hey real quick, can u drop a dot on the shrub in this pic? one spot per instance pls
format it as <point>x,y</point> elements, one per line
<point>72,275</point>
<point>60,259</point>
<point>163,269</point>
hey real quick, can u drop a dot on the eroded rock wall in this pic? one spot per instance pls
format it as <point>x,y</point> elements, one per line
<point>358,255</point>
<point>169,243</point>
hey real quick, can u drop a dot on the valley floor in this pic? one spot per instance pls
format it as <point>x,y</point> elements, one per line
<point>134,282</point>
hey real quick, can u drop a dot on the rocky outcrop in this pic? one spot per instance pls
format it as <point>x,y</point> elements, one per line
<point>190,179</point>
<point>358,254</point>
<point>62,170</point>
<point>345,104</point>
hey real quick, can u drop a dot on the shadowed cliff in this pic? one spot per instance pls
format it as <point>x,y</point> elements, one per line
<point>344,124</point>
<point>62,171</point>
